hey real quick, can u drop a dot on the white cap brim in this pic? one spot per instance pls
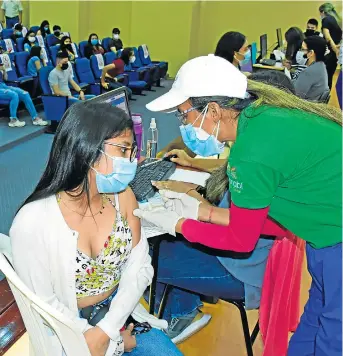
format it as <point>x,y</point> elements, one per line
<point>167,102</point>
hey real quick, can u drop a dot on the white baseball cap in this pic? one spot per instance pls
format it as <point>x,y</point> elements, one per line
<point>202,76</point>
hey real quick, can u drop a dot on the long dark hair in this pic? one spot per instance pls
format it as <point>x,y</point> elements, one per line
<point>294,37</point>
<point>125,55</point>
<point>43,32</point>
<point>64,46</point>
<point>26,39</point>
<point>90,37</point>
<point>76,147</point>
<point>228,44</point>
<point>35,52</point>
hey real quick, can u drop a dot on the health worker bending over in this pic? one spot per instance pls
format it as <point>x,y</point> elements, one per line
<point>280,173</point>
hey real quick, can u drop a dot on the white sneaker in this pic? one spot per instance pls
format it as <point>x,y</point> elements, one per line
<point>16,123</point>
<point>40,122</point>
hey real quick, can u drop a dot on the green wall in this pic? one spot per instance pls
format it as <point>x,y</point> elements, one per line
<point>174,30</point>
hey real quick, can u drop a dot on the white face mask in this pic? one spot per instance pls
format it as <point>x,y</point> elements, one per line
<point>116,36</point>
<point>133,59</point>
<point>32,39</point>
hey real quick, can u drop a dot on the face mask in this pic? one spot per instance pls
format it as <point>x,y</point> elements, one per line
<point>94,42</point>
<point>123,173</point>
<point>69,47</point>
<point>18,33</point>
<point>132,59</point>
<point>246,60</point>
<point>199,141</point>
<point>116,37</point>
<point>32,39</point>
<point>46,28</point>
<point>322,16</point>
<point>309,32</point>
<point>64,66</point>
<point>57,33</point>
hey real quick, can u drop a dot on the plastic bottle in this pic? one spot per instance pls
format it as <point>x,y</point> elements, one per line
<point>138,128</point>
<point>151,145</point>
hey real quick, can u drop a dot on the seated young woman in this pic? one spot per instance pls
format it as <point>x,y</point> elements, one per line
<point>30,40</point>
<point>93,46</point>
<point>66,45</point>
<point>88,257</point>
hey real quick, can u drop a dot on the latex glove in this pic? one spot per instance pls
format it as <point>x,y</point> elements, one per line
<point>161,217</point>
<point>181,203</point>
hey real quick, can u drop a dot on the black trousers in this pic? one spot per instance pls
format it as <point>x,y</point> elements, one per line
<point>331,65</point>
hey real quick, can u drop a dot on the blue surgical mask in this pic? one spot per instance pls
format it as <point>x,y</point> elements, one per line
<point>123,173</point>
<point>199,141</point>
<point>246,60</point>
<point>18,33</point>
<point>46,28</point>
<point>94,42</point>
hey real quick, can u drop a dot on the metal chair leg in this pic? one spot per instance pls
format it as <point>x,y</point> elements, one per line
<point>154,263</point>
<point>245,326</point>
<point>167,290</point>
<point>255,332</point>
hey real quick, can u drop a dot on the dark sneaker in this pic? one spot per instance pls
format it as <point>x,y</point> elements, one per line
<point>183,327</point>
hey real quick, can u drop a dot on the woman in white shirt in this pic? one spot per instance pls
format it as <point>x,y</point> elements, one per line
<point>75,241</point>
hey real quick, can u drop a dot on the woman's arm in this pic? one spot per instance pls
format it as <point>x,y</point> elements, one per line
<point>329,39</point>
<point>39,33</point>
<point>38,64</point>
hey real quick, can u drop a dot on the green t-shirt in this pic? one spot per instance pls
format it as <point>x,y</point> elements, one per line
<point>291,161</point>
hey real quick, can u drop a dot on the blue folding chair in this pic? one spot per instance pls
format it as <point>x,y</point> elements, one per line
<point>82,46</point>
<point>85,75</point>
<point>54,106</point>
<point>51,40</point>
<point>20,44</point>
<point>53,54</point>
<point>5,46</point>
<point>83,86</point>
<point>34,29</point>
<point>17,81</point>
<point>21,62</point>
<point>106,43</point>
<point>146,61</point>
<point>154,73</point>
<point>110,57</point>
<point>7,33</point>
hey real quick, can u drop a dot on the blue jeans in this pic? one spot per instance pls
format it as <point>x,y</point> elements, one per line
<point>11,22</point>
<point>14,95</point>
<point>184,266</point>
<point>154,343</point>
<point>320,330</point>
<point>76,100</point>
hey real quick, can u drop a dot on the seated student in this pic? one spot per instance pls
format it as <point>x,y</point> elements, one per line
<point>44,29</point>
<point>111,71</point>
<point>312,82</point>
<point>17,32</point>
<point>116,43</point>
<point>30,41</point>
<point>93,46</point>
<point>57,35</point>
<point>294,61</point>
<point>34,62</point>
<point>94,263</point>
<point>67,46</point>
<point>62,76</point>
<point>15,95</point>
<point>312,28</point>
<point>234,47</point>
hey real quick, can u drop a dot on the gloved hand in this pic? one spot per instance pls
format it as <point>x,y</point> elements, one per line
<point>181,203</point>
<point>161,217</point>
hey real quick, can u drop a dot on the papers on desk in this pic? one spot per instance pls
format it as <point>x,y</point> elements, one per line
<point>279,55</point>
<point>183,175</point>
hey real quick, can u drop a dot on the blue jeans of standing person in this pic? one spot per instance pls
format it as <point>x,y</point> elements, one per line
<point>320,330</point>
<point>182,265</point>
<point>15,95</point>
<point>76,100</point>
<point>10,22</point>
